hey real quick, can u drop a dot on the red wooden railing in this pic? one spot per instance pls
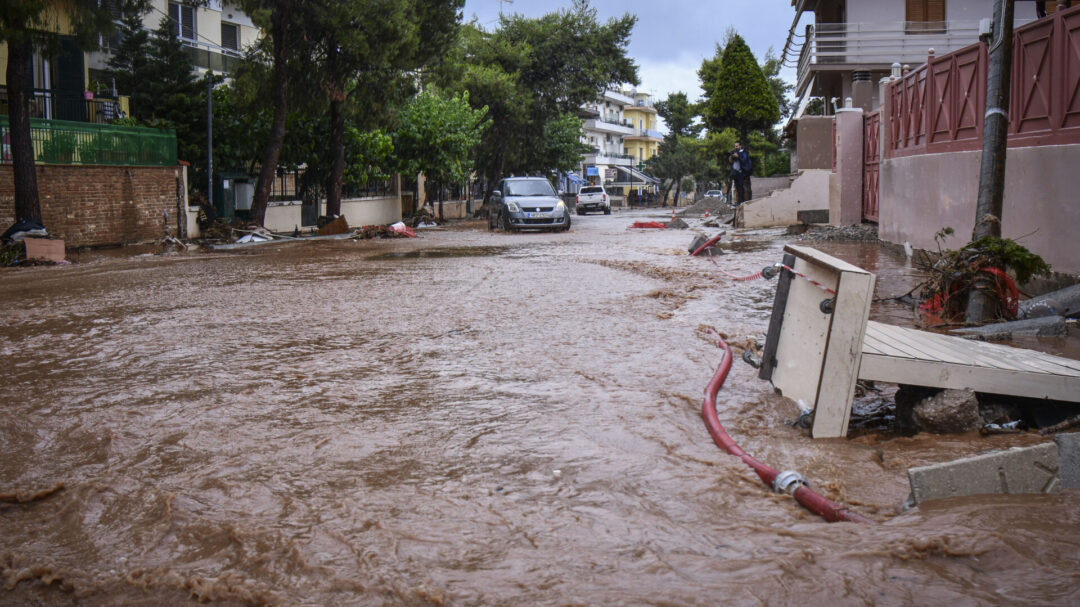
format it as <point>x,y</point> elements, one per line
<point>871,165</point>
<point>939,107</point>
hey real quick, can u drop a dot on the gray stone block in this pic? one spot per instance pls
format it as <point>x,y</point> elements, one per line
<point>1069,459</point>
<point>1066,302</point>
<point>1019,470</point>
<point>1047,326</point>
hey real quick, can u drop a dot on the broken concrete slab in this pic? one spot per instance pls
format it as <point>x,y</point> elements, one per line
<point>44,248</point>
<point>1064,302</point>
<point>1047,326</point>
<point>1069,459</point>
<point>1015,471</point>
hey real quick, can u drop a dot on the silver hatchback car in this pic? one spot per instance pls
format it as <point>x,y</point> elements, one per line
<point>527,203</point>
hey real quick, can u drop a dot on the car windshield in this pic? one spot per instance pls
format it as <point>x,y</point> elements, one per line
<point>531,187</point>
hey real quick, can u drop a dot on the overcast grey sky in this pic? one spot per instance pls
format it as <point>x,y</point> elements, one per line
<point>672,37</point>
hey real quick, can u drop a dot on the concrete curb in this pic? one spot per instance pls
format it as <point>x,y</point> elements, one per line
<point>1044,468</point>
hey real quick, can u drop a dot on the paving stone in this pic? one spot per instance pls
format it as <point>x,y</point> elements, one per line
<point>1069,459</point>
<point>1019,470</point>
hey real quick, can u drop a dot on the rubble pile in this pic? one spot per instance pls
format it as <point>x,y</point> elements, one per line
<point>866,232</point>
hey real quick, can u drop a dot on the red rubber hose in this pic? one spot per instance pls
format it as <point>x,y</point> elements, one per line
<point>708,243</point>
<point>806,496</point>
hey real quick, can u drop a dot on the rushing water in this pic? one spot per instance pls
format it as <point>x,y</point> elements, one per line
<point>461,419</point>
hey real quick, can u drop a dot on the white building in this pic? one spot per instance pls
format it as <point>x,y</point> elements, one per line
<point>608,130</point>
<point>215,35</point>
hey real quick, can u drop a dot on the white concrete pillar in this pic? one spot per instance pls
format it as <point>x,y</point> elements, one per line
<point>845,205</point>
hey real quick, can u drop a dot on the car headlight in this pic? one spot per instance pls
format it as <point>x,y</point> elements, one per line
<point>560,207</point>
<point>513,207</point>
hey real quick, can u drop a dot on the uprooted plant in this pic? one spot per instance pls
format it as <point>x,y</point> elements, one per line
<point>991,264</point>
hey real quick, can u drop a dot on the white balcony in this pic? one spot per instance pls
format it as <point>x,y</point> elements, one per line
<point>617,97</point>
<point>608,126</point>
<point>876,46</point>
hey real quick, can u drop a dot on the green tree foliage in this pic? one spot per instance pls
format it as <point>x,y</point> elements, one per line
<point>437,136</point>
<point>680,115</point>
<point>129,64</point>
<point>534,74</point>
<point>677,158</point>
<point>173,97</point>
<point>361,53</point>
<point>738,95</point>
<point>26,26</point>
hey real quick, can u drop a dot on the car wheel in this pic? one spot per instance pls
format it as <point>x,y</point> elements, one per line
<point>580,212</point>
<point>607,210</point>
<point>504,223</point>
<point>566,228</point>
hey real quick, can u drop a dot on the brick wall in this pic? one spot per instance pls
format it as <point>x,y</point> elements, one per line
<point>99,205</point>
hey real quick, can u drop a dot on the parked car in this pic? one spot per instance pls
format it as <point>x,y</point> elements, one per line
<point>592,198</point>
<point>714,194</point>
<point>527,203</point>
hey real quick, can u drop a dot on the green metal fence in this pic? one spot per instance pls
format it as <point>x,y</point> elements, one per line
<point>65,142</point>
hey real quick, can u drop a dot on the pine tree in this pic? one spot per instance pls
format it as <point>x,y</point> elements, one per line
<point>173,97</point>
<point>129,64</point>
<point>739,94</point>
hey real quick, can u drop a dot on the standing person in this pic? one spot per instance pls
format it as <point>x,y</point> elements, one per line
<point>747,167</point>
<point>736,175</point>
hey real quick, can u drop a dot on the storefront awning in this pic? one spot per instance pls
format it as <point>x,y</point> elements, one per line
<point>632,177</point>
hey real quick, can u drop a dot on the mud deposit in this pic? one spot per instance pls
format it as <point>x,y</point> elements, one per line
<point>461,419</point>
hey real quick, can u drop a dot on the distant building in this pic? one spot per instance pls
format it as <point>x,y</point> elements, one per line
<point>850,46</point>
<point>618,129</point>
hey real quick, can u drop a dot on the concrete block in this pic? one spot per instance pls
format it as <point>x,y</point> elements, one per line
<point>1065,302</point>
<point>813,216</point>
<point>44,248</point>
<point>1047,326</point>
<point>1019,470</point>
<point>1069,459</point>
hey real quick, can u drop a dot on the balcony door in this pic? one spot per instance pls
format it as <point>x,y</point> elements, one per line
<point>925,16</point>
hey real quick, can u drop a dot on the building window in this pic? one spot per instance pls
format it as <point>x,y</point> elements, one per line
<point>925,16</point>
<point>182,18</point>
<point>230,36</point>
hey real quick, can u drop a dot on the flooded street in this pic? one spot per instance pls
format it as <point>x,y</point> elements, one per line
<point>464,418</point>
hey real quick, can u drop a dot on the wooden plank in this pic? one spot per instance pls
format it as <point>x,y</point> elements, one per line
<point>875,367</point>
<point>776,321</point>
<point>897,338</point>
<point>823,259</point>
<point>804,335</point>
<point>934,348</point>
<point>981,353</point>
<point>873,339</point>
<point>967,349</point>
<point>832,410</point>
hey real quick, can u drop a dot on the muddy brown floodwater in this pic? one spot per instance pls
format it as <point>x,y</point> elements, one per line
<point>461,419</point>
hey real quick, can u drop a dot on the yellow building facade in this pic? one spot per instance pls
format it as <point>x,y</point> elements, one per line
<point>644,142</point>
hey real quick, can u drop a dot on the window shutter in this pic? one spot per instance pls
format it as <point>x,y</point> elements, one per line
<point>187,22</point>
<point>174,18</point>
<point>935,10</point>
<point>229,36</point>
<point>916,10</point>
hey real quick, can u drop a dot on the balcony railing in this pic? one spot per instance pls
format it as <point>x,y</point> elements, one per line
<point>58,105</point>
<point>647,133</point>
<point>64,142</point>
<point>866,45</point>
<point>211,56</point>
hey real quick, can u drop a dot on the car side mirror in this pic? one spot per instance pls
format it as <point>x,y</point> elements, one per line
<point>496,194</point>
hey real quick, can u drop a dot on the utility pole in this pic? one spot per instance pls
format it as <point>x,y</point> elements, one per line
<point>210,138</point>
<point>995,137</point>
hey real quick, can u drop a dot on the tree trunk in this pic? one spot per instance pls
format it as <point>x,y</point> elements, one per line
<point>279,26</point>
<point>990,204</point>
<point>27,202</point>
<point>337,155</point>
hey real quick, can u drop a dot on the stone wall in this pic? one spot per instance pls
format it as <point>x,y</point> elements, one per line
<point>101,205</point>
